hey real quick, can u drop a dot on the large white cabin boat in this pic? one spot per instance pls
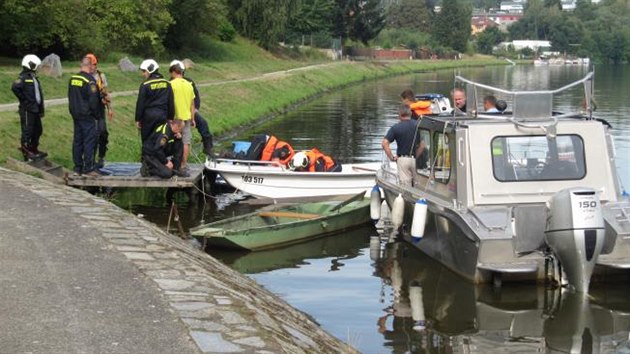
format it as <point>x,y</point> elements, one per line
<point>527,193</point>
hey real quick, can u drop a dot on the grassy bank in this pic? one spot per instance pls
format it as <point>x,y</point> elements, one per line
<point>230,105</point>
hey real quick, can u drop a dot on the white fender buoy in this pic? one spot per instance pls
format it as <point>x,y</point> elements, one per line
<point>375,203</point>
<point>417,307</point>
<point>398,212</point>
<point>385,212</point>
<point>419,219</point>
<point>375,248</point>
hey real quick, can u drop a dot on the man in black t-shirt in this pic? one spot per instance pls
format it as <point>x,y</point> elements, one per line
<point>405,134</point>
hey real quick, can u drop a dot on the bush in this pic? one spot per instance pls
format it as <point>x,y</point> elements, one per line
<point>405,38</point>
<point>226,31</point>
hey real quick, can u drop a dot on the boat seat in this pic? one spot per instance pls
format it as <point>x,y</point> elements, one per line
<point>288,214</point>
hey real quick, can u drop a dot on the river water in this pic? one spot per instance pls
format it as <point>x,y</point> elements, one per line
<point>372,297</point>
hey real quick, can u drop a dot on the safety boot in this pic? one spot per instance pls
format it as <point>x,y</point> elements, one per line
<point>39,154</point>
<point>27,153</point>
<point>207,147</point>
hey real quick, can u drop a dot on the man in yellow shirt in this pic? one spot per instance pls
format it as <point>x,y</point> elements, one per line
<point>184,97</point>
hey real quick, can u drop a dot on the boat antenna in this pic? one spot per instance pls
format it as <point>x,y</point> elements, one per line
<point>593,104</point>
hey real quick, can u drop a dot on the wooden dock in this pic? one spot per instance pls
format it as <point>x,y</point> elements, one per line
<point>127,175</point>
<point>118,175</point>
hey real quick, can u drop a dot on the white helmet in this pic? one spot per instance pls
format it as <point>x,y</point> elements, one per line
<point>31,62</point>
<point>299,160</point>
<point>178,63</point>
<point>149,65</point>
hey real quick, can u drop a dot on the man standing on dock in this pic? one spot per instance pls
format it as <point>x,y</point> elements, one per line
<point>199,121</point>
<point>184,97</point>
<point>28,90</point>
<point>84,104</point>
<point>155,100</point>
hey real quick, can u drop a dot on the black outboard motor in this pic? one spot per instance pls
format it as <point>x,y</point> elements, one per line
<point>575,232</point>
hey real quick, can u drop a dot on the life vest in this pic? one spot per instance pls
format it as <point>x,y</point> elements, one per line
<point>421,107</point>
<point>274,144</point>
<point>314,155</point>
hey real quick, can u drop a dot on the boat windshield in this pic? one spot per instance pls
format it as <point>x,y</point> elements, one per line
<point>537,158</point>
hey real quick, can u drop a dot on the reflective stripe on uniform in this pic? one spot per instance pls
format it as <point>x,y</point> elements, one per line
<point>162,129</point>
<point>78,80</point>
<point>156,84</point>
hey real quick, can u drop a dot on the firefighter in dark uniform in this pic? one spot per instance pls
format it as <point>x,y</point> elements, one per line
<point>162,151</point>
<point>84,104</point>
<point>155,103</point>
<point>28,90</point>
<point>200,122</point>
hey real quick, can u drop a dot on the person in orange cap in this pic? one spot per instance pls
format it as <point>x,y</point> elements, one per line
<point>418,107</point>
<point>101,130</point>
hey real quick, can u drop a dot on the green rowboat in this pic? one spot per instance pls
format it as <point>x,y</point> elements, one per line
<point>284,225</point>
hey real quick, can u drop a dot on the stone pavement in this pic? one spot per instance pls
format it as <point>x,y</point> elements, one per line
<point>80,275</point>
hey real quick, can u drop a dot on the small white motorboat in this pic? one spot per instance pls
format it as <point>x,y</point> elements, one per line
<point>268,179</point>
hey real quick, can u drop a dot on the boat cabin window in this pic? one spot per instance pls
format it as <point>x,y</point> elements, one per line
<point>536,158</point>
<point>423,153</point>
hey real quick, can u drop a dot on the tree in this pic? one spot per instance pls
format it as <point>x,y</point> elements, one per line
<point>610,31</point>
<point>485,4</point>
<point>488,39</point>
<point>584,10</point>
<point>366,20</point>
<point>262,20</point>
<point>563,33</point>
<point>451,26</point>
<point>312,16</point>
<point>553,4</point>
<point>359,20</point>
<point>536,22</point>
<point>410,14</point>
<point>188,25</point>
<point>127,25</point>
<point>96,25</point>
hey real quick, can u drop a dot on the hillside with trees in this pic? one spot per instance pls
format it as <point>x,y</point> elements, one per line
<point>188,27</point>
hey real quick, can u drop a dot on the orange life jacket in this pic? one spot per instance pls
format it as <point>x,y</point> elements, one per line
<point>274,144</point>
<point>314,155</point>
<point>421,107</point>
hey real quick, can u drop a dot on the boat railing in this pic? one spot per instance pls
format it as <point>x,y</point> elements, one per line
<point>274,164</point>
<point>528,106</point>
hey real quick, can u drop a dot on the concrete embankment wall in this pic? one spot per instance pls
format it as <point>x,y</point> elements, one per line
<point>66,254</point>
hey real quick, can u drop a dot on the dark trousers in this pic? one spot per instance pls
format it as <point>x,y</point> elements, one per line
<point>102,138</point>
<point>31,125</point>
<point>155,168</point>
<point>153,165</point>
<point>83,144</point>
<point>149,124</point>
<point>202,127</point>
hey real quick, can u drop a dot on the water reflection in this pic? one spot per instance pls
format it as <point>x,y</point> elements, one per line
<point>434,310</point>
<point>336,249</point>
